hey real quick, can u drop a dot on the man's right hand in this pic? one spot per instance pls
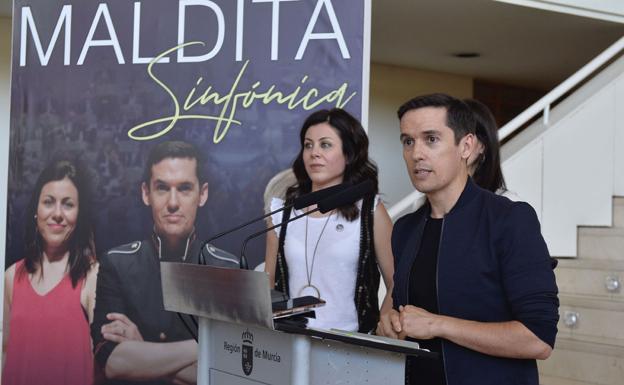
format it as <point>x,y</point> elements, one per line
<point>389,324</point>
<point>120,329</point>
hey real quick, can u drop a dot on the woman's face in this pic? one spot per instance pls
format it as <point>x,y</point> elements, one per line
<point>322,156</point>
<point>57,212</point>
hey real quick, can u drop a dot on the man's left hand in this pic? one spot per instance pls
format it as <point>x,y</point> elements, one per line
<point>120,329</point>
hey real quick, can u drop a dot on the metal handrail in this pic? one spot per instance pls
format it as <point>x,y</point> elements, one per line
<point>541,106</point>
<point>403,204</point>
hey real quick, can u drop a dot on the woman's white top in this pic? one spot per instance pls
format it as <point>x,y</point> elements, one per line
<point>335,264</point>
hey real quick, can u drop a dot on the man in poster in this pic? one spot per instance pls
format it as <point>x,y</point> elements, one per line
<point>134,338</point>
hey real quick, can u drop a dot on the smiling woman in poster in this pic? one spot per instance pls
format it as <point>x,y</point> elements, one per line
<point>49,295</point>
<point>333,256</point>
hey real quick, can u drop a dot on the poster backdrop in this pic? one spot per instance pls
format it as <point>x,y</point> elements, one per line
<point>107,80</point>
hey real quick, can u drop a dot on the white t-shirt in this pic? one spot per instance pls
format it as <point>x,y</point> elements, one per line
<point>335,264</point>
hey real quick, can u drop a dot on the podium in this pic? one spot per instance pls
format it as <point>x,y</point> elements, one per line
<point>240,344</point>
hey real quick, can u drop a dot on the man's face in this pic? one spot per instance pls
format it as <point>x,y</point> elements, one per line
<point>174,194</point>
<point>433,160</point>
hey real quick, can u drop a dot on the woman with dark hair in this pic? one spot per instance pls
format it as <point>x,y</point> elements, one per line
<point>484,163</point>
<point>334,256</point>
<point>49,295</point>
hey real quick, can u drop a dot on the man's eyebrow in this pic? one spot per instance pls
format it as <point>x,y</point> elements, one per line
<point>431,132</point>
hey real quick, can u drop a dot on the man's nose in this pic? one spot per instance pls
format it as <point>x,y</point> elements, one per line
<point>173,202</point>
<point>417,151</point>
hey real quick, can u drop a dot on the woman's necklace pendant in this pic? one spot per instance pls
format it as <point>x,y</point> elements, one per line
<point>309,290</point>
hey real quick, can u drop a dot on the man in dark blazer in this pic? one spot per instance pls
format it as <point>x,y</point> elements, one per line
<point>473,278</point>
<point>135,340</point>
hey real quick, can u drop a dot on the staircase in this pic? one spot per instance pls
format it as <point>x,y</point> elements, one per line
<point>590,343</point>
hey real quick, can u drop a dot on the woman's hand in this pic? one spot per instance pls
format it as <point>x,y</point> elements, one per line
<point>389,324</point>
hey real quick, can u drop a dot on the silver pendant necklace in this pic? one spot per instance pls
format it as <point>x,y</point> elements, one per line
<point>310,270</point>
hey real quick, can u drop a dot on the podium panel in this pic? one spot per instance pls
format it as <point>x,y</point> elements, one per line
<point>240,354</point>
<point>341,363</point>
<point>238,344</point>
<point>219,377</point>
<point>251,352</point>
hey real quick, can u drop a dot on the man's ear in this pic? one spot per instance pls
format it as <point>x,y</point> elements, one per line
<point>145,193</point>
<point>467,145</point>
<point>203,194</point>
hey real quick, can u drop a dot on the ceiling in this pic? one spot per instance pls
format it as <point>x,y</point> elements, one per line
<point>518,45</point>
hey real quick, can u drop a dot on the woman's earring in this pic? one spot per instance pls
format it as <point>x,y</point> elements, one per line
<point>35,216</point>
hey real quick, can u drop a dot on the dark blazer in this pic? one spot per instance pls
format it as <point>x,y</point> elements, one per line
<point>493,266</point>
<point>129,282</point>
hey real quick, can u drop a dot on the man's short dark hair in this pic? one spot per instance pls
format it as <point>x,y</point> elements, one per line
<point>459,116</point>
<point>173,149</point>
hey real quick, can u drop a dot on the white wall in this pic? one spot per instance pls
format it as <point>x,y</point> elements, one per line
<point>5,92</point>
<point>391,86</point>
<point>570,168</point>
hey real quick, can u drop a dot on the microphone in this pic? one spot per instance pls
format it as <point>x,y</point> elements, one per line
<point>298,203</point>
<point>347,196</point>
<point>317,196</point>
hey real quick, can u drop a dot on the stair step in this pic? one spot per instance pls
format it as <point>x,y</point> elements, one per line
<point>549,380</point>
<point>591,277</point>
<point>598,320</point>
<point>601,231</point>
<point>592,302</point>
<point>581,362</point>
<point>607,341</point>
<point>618,212</point>
<point>594,264</point>
<point>606,243</point>
<point>607,349</point>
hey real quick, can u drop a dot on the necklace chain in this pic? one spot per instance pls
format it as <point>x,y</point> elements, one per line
<point>310,270</point>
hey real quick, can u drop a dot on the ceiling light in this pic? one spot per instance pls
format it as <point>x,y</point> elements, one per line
<point>466,55</point>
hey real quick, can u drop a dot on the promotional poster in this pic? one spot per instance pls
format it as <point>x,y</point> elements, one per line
<point>100,84</point>
<point>106,81</point>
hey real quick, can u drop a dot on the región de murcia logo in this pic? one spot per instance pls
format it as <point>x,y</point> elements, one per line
<point>247,353</point>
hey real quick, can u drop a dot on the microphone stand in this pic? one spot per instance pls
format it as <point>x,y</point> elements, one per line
<point>298,203</point>
<point>263,231</point>
<point>243,261</point>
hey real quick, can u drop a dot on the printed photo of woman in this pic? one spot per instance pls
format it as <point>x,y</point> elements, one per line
<point>49,294</point>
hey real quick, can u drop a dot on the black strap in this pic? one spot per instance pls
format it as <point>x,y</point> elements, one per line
<point>281,274</point>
